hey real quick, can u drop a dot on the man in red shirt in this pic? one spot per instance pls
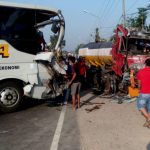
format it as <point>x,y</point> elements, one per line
<point>82,71</point>
<point>143,101</point>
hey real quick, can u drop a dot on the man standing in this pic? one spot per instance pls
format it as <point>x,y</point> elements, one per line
<point>74,82</point>
<point>82,71</point>
<point>143,101</point>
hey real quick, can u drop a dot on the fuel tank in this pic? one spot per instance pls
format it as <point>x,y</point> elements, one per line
<point>97,54</point>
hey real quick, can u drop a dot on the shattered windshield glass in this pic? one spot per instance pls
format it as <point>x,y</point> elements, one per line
<point>138,46</point>
<point>17,26</point>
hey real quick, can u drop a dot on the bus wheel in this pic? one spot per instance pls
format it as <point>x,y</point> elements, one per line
<point>10,96</point>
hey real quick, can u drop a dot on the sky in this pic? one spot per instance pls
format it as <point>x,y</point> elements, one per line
<point>83,16</point>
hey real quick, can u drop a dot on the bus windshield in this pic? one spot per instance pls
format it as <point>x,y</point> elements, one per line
<point>20,27</point>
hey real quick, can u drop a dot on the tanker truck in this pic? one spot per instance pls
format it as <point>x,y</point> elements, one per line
<point>27,68</point>
<point>99,57</point>
<point>127,55</point>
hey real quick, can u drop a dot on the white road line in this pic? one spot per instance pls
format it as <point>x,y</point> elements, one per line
<point>54,145</point>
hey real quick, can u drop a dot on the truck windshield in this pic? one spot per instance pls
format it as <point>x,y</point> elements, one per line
<point>20,27</point>
<point>138,46</point>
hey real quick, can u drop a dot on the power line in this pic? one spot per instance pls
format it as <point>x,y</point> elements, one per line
<point>109,9</point>
<point>107,27</point>
<point>108,6</point>
<point>133,4</point>
<point>137,12</point>
<point>132,14</point>
<point>115,7</point>
<point>102,10</point>
<point>105,3</point>
<point>105,9</point>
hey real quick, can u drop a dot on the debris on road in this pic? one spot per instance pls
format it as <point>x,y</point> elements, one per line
<point>92,103</point>
<point>123,99</point>
<point>131,100</point>
<point>93,108</point>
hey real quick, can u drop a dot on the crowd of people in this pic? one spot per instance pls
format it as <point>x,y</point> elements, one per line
<point>76,74</point>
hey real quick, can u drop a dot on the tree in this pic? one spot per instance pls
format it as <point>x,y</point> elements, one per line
<point>138,21</point>
<point>78,47</point>
<point>97,37</point>
<point>53,41</point>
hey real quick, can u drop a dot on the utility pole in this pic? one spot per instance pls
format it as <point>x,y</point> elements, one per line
<point>123,13</point>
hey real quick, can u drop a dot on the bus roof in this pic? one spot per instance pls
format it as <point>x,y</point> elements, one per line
<point>25,6</point>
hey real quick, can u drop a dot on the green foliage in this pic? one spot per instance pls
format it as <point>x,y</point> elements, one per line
<point>53,41</point>
<point>97,36</point>
<point>138,21</point>
<point>78,47</point>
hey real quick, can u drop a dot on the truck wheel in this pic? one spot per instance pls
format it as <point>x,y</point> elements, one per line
<point>10,96</point>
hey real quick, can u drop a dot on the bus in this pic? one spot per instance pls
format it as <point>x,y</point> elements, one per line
<point>29,66</point>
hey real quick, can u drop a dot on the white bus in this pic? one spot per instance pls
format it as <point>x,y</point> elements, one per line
<point>26,66</point>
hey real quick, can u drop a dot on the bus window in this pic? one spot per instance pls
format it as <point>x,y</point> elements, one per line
<point>17,27</point>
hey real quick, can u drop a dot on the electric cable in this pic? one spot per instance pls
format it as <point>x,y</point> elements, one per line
<point>110,8</point>
<point>105,8</point>
<point>133,4</point>
<point>115,6</point>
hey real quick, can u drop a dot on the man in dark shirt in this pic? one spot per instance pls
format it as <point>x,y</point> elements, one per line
<point>40,41</point>
<point>74,82</point>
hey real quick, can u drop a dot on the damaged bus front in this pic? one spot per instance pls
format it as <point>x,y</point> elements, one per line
<point>29,66</point>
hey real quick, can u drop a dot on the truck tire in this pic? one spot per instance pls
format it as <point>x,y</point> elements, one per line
<point>11,94</point>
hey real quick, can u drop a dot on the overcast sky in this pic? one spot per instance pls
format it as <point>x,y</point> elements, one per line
<point>80,26</point>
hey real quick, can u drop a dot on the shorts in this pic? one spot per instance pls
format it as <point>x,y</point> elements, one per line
<point>75,88</point>
<point>143,101</point>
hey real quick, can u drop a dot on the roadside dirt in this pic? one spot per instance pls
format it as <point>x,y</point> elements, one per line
<point>112,126</point>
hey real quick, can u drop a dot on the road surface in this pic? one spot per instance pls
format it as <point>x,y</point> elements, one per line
<point>40,126</point>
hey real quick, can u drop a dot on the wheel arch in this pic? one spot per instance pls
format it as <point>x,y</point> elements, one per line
<point>21,82</point>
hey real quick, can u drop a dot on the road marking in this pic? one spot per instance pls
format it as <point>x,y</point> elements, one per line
<point>54,145</point>
<point>2,132</point>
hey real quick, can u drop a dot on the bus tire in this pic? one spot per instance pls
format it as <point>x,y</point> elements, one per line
<point>11,94</point>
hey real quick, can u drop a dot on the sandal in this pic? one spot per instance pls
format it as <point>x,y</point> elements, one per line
<point>147,124</point>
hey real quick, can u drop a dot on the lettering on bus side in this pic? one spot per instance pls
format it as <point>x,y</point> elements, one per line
<point>9,67</point>
<point>4,50</point>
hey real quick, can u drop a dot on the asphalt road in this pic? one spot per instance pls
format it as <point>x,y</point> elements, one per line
<point>39,126</point>
<point>33,128</point>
